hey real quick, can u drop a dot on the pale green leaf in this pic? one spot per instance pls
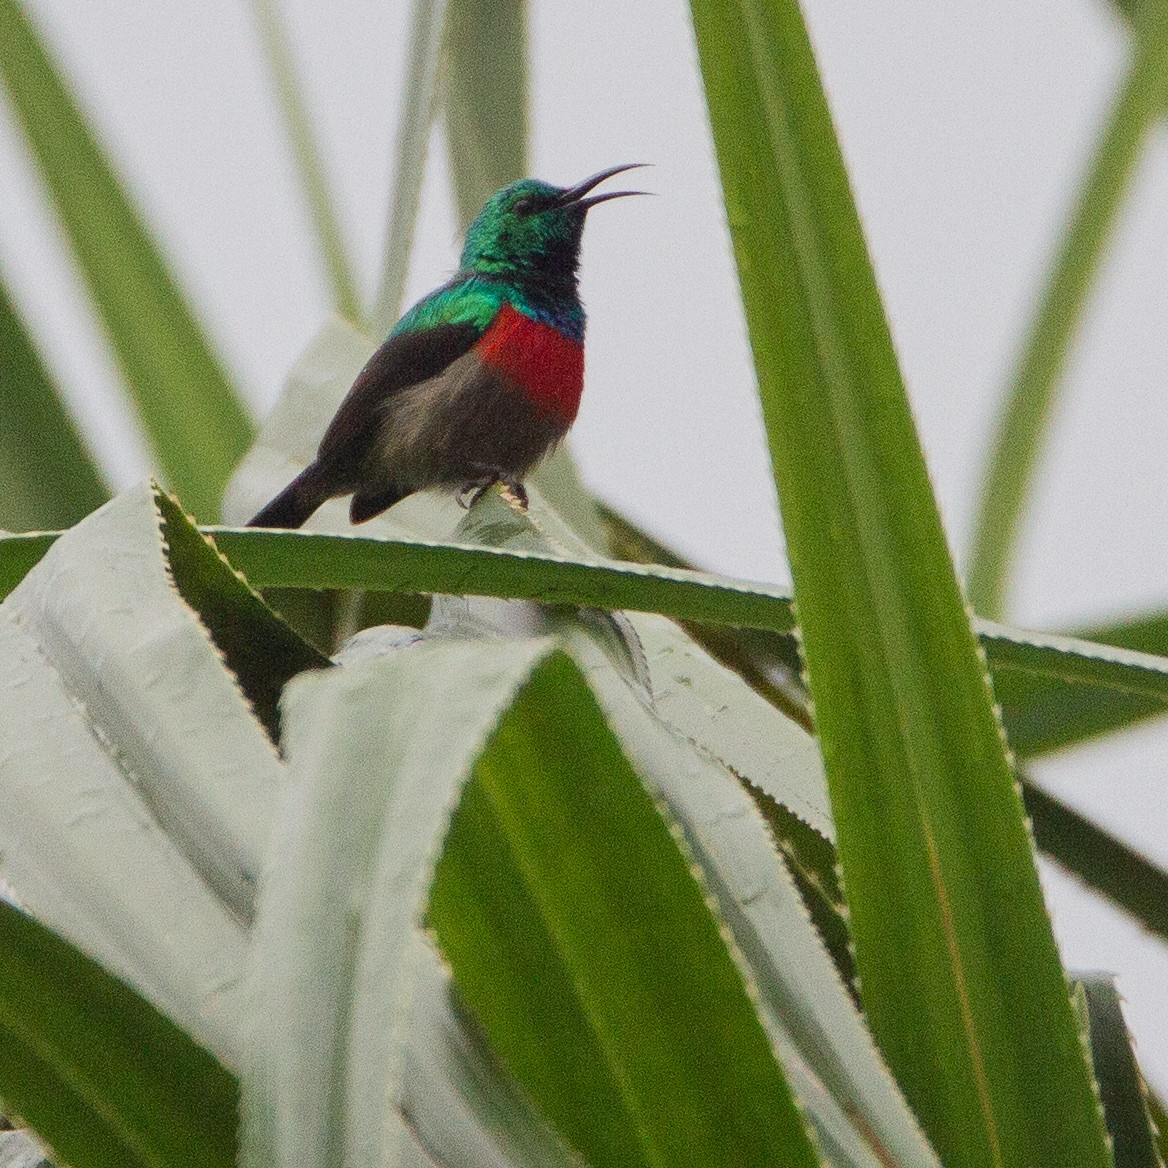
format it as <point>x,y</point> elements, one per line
<point>324,1077</point>
<point>137,785</point>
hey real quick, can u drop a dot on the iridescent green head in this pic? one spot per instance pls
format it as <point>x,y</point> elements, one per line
<point>530,230</point>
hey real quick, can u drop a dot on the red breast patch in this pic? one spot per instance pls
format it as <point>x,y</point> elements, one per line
<point>547,365</point>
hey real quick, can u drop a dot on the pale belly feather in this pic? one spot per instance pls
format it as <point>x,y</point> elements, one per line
<point>452,429</point>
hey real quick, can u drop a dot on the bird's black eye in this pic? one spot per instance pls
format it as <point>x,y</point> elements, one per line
<point>524,206</point>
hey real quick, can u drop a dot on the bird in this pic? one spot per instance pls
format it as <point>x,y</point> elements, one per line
<point>479,380</point>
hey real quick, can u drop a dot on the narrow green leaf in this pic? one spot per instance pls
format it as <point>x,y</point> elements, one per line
<point>97,1071</point>
<point>1121,1086</point>
<point>629,957</point>
<point>192,415</point>
<point>1035,664</point>
<point>1159,1115</point>
<point>1047,706</point>
<point>969,1004</point>
<point>1102,862</point>
<point>1145,633</point>
<point>1031,670</point>
<point>419,85</point>
<point>485,92</point>
<point>47,474</point>
<point>1030,399</point>
<point>310,560</point>
<point>311,165</point>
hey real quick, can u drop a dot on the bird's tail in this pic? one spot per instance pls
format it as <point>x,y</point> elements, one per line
<point>295,503</point>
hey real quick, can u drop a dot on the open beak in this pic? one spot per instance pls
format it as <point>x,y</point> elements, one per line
<point>574,196</point>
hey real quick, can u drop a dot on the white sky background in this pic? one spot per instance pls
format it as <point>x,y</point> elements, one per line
<point>965,125</point>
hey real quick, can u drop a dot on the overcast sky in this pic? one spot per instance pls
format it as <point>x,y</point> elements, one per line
<point>966,126</point>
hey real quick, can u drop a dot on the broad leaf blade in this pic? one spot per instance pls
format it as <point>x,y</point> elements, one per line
<point>47,475</point>
<point>968,1003</point>
<point>97,1071</point>
<point>308,560</point>
<point>632,957</point>
<point>192,415</point>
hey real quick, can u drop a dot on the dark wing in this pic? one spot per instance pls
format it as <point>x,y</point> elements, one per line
<point>404,360</point>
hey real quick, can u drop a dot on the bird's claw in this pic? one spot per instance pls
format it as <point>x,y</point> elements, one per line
<point>472,492</point>
<point>512,490</point>
<point>515,493</point>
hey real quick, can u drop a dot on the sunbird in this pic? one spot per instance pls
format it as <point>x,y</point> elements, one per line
<point>476,382</point>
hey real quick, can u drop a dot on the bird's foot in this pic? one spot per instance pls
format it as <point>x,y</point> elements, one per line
<point>513,489</point>
<point>472,492</point>
<point>514,492</point>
